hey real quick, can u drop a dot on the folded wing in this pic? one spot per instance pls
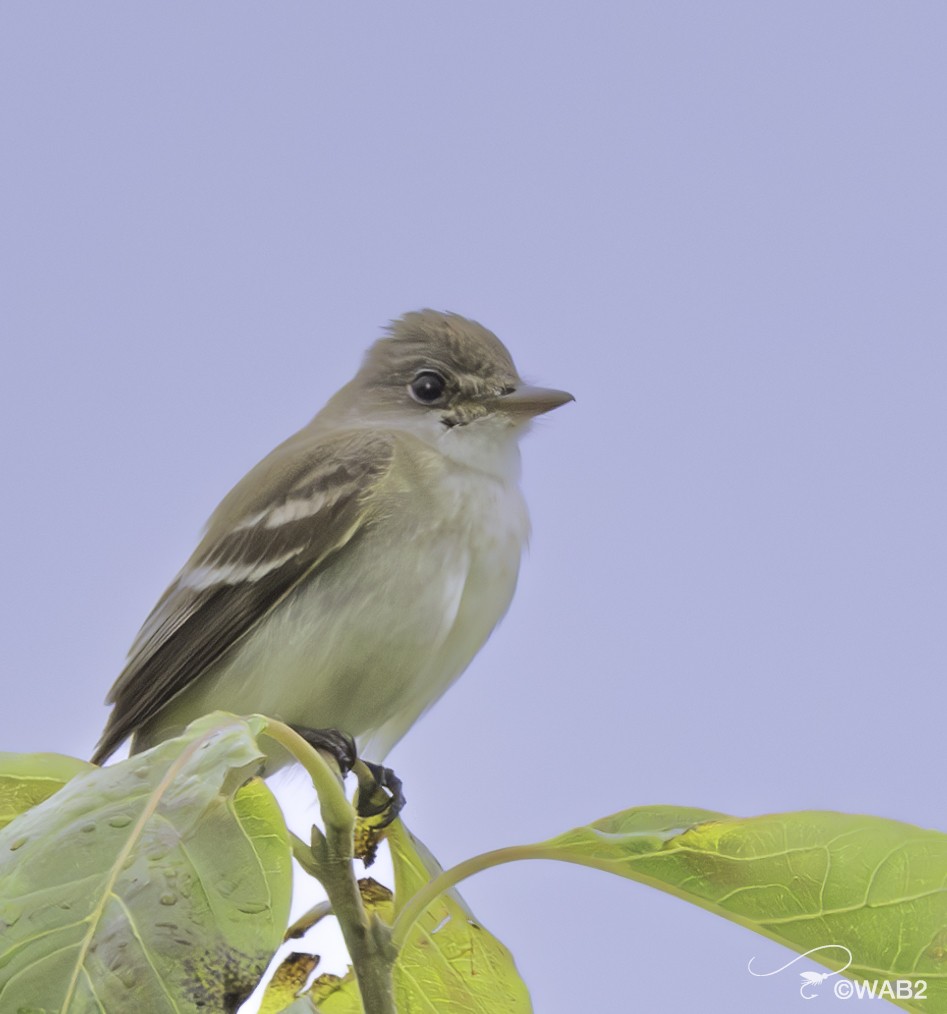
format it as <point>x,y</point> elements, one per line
<point>308,503</point>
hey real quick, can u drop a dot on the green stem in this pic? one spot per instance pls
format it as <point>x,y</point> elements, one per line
<point>367,938</point>
<point>444,881</point>
<point>302,853</point>
<point>329,859</point>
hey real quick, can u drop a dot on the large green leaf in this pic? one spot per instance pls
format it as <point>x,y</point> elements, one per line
<point>26,779</point>
<point>807,879</point>
<point>159,884</point>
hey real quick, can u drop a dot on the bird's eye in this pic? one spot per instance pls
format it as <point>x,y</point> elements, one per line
<point>427,387</point>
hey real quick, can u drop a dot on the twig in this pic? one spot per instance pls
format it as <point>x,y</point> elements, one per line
<point>329,859</point>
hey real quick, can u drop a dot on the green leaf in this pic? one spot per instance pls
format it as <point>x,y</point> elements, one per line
<point>334,994</point>
<point>158,884</point>
<point>806,879</point>
<point>26,779</point>
<point>449,962</point>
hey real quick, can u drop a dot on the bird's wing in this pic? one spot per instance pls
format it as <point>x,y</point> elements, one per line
<point>308,504</point>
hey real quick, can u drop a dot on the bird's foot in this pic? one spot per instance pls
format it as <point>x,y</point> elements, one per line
<point>339,745</point>
<point>379,788</point>
<point>378,802</point>
<point>372,801</point>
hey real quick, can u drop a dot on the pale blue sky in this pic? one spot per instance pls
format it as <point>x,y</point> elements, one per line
<point>720,224</point>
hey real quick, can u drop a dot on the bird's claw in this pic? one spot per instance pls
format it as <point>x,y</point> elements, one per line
<point>379,799</point>
<point>372,802</point>
<point>379,788</point>
<point>378,802</point>
<point>338,744</point>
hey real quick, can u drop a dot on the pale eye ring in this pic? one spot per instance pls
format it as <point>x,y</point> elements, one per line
<point>428,387</point>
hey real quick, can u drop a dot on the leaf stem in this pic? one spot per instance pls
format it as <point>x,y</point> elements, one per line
<point>444,881</point>
<point>329,859</point>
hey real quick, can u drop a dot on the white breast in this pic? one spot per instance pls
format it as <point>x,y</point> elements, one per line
<point>477,550</point>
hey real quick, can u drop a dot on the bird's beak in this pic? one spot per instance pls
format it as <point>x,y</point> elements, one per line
<point>528,401</point>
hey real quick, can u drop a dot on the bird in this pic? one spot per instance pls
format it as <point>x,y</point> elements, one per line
<point>353,574</point>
